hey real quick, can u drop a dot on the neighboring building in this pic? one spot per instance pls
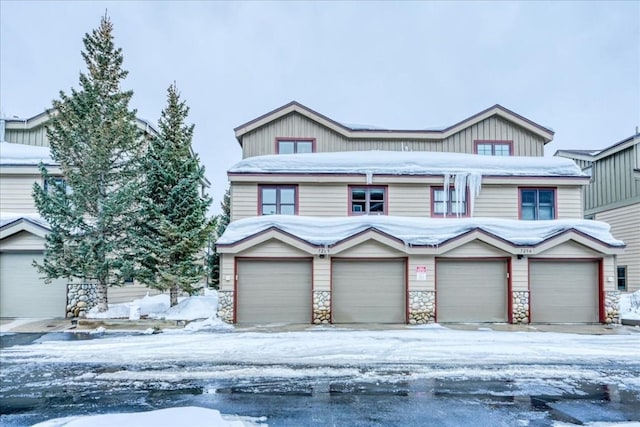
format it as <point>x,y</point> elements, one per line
<point>436,225</point>
<point>23,146</point>
<point>613,196</point>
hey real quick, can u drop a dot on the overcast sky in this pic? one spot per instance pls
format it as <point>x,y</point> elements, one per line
<point>572,66</point>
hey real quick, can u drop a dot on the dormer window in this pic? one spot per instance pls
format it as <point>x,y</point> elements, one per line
<point>494,148</point>
<point>295,145</point>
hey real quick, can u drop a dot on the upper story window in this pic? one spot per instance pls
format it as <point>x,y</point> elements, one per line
<point>295,145</point>
<point>59,182</point>
<point>453,204</point>
<point>368,200</point>
<point>537,203</point>
<point>278,199</point>
<point>622,277</point>
<point>494,148</point>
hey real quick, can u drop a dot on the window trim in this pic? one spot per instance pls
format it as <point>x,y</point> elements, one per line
<point>278,187</point>
<point>295,140</point>
<point>626,278</point>
<point>493,143</point>
<point>435,188</point>
<point>385,208</point>
<point>56,178</point>
<point>555,201</point>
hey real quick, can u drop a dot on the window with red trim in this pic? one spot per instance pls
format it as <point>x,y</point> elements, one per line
<point>537,203</point>
<point>453,204</point>
<point>278,200</point>
<point>368,200</point>
<point>493,148</point>
<point>291,146</point>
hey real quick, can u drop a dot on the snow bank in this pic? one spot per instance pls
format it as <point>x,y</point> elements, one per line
<point>192,308</point>
<point>8,217</point>
<point>21,154</point>
<point>408,163</point>
<point>186,416</point>
<point>413,230</point>
<point>630,306</point>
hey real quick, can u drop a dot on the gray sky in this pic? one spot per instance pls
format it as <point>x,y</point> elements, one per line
<point>572,66</point>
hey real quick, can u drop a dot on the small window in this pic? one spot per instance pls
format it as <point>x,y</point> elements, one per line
<point>454,205</point>
<point>493,148</point>
<point>622,277</point>
<point>128,281</point>
<point>368,200</point>
<point>291,146</point>
<point>537,203</point>
<point>277,200</point>
<point>58,181</point>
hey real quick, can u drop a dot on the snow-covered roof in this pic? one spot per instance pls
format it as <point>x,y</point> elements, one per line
<point>413,231</point>
<point>21,154</point>
<point>408,163</point>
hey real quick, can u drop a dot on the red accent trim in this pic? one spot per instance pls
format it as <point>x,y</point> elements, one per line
<point>406,290</point>
<point>601,295</point>
<point>555,200</point>
<point>295,140</point>
<point>493,142</point>
<point>435,290</point>
<point>277,187</point>
<point>434,188</point>
<point>236,276</point>
<point>509,290</point>
<point>367,187</point>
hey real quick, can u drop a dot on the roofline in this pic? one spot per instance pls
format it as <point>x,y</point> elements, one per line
<point>21,224</point>
<point>294,106</point>
<point>606,152</point>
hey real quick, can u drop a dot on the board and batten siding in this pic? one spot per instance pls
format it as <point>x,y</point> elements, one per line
<point>613,184</point>
<point>262,141</point>
<point>625,225</point>
<point>16,193</point>
<point>34,136</point>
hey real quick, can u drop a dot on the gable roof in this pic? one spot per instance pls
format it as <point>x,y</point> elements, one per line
<point>11,224</point>
<point>594,155</point>
<point>357,131</point>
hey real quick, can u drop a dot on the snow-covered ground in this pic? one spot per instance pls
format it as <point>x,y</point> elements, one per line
<point>630,306</point>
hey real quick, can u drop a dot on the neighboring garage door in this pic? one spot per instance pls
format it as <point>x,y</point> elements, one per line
<point>471,291</point>
<point>564,292</point>
<point>368,291</point>
<point>274,291</point>
<point>23,293</point>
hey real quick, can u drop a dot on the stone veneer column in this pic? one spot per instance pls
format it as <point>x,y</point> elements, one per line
<point>422,307</point>
<point>612,307</point>
<point>225,306</point>
<point>81,297</point>
<point>520,307</point>
<point>321,307</point>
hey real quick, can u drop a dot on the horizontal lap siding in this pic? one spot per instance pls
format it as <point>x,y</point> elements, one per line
<point>22,241</point>
<point>321,274</point>
<point>569,202</point>
<point>409,200</point>
<point>422,285</point>
<point>322,200</point>
<point>227,268</point>
<point>17,193</point>
<point>370,249</point>
<point>625,225</point>
<point>497,201</point>
<point>475,249</point>
<point>244,200</point>
<point>262,141</point>
<point>273,249</point>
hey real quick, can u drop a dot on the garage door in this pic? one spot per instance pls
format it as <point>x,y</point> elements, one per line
<point>471,291</point>
<point>274,291</point>
<point>24,294</point>
<point>564,292</point>
<point>368,291</point>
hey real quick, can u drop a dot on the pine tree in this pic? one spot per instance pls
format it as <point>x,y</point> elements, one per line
<point>175,228</point>
<point>94,138</point>
<point>222,221</point>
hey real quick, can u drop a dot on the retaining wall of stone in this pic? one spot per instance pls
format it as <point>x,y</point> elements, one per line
<point>81,297</point>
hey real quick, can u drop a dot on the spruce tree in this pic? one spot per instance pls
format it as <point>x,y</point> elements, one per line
<point>222,221</point>
<point>94,138</point>
<point>174,227</point>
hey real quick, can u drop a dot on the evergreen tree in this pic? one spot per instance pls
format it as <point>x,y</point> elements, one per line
<point>94,138</point>
<point>222,221</point>
<point>174,227</point>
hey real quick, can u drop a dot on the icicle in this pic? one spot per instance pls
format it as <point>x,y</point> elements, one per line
<point>460,185</point>
<point>445,193</point>
<point>369,177</point>
<point>475,184</point>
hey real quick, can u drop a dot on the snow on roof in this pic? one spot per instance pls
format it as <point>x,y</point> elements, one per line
<point>10,217</point>
<point>21,154</point>
<point>408,163</point>
<point>413,231</point>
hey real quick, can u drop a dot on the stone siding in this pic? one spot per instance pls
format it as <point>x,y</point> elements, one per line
<point>422,307</point>
<point>321,307</point>
<point>81,297</point>
<point>225,306</point>
<point>520,304</point>
<point>612,307</point>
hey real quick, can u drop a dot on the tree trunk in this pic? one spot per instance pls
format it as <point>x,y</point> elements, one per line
<point>173,295</point>
<point>101,297</point>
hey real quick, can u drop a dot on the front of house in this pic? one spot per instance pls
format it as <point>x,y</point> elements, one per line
<point>334,223</point>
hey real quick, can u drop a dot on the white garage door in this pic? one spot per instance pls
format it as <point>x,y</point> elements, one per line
<point>368,291</point>
<point>471,291</point>
<point>274,291</point>
<point>23,293</point>
<point>564,292</point>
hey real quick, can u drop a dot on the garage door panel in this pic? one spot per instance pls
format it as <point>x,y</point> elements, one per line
<point>471,291</point>
<point>274,291</point>
<point>564,292</point>
<point>368,291</point>
<point>24,294</point>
